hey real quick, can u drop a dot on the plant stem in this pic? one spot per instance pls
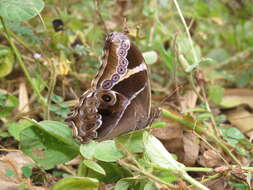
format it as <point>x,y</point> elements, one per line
<point>22,64</point>
<point>132,167</point>
<point>194,182</point>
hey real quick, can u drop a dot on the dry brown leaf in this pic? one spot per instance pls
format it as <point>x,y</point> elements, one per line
<point>23,106</point>
<point>241,118</point>
<point>191,148</point>
<point>210,159</point>
<point>172,138</point>
<point>167,133</point>
<point>18,159</point>
<point>236,97</point>
<point>188,100</point>
<point>14,161</point>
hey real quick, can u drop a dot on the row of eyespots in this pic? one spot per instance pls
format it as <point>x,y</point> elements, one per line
<point>122,64</point>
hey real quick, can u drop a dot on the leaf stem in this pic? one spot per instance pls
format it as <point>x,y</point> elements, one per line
<point>134,168</point>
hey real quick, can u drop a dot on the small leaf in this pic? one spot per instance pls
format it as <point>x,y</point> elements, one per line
<point>122,185</point>
<point>150,57</point>
<point>215,93</point>
<point>94,166</point>
<point>150,186</point>
<point>17,11</point>
<point>26,171</point>
<point>107,151</point>
<point>88,150</point>
<point>76,183</point>
<point>10,173</point>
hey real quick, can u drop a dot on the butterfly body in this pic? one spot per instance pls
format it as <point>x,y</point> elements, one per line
<point>119,98</point>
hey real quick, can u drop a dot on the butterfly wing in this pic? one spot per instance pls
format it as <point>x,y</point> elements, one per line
<point>119,98</point>
<point>133,86</point>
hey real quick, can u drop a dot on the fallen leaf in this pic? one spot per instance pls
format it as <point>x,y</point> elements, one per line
<point>188,100</point>
<point>23,106</point>
<point>191,148</point>
<point>210,159</point>
<point>236,97</point>
<point>241,118</point>
<point>167,133</point>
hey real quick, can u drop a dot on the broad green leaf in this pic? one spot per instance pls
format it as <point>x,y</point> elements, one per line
<point>159,156</point>
<point>157,153</point>
<point>150,57</point>
<point>88,150</point>
<point>48,146</point>
<point>58,130</point>
<point>132,142</point>
<point>76,183</point>
<point>94,166</point>
<point>18,11</point>
<point>122,185</point>
<point>16,128</point>
<point>107,151</point>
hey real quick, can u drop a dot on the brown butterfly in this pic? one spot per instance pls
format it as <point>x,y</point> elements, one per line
<point>118,100</point>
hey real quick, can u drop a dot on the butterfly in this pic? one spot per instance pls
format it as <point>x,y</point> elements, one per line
<point>119,99</point>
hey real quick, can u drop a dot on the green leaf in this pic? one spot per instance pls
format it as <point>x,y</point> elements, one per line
<point>22,187</point>
<point>94,166</point>
<point>150,57</point>
<point>7,104</point>
<point>6,61</point>
<point>107,151</point>
<point>215,93</point>
<point>10,173</point>
<point>88,150</point>
<point>18,11</point>
<point>122,185</point>
<point>234,133</point>
<point>158,155</point>
<point>26,171</point>
<point>150,186</point>
<point>58,130</point>
<point>133,141</point>
<point>16,128</point>
<point>218,54</point>
<point>48,143</point>
<point>114,172</point>
<point>76,183</point>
